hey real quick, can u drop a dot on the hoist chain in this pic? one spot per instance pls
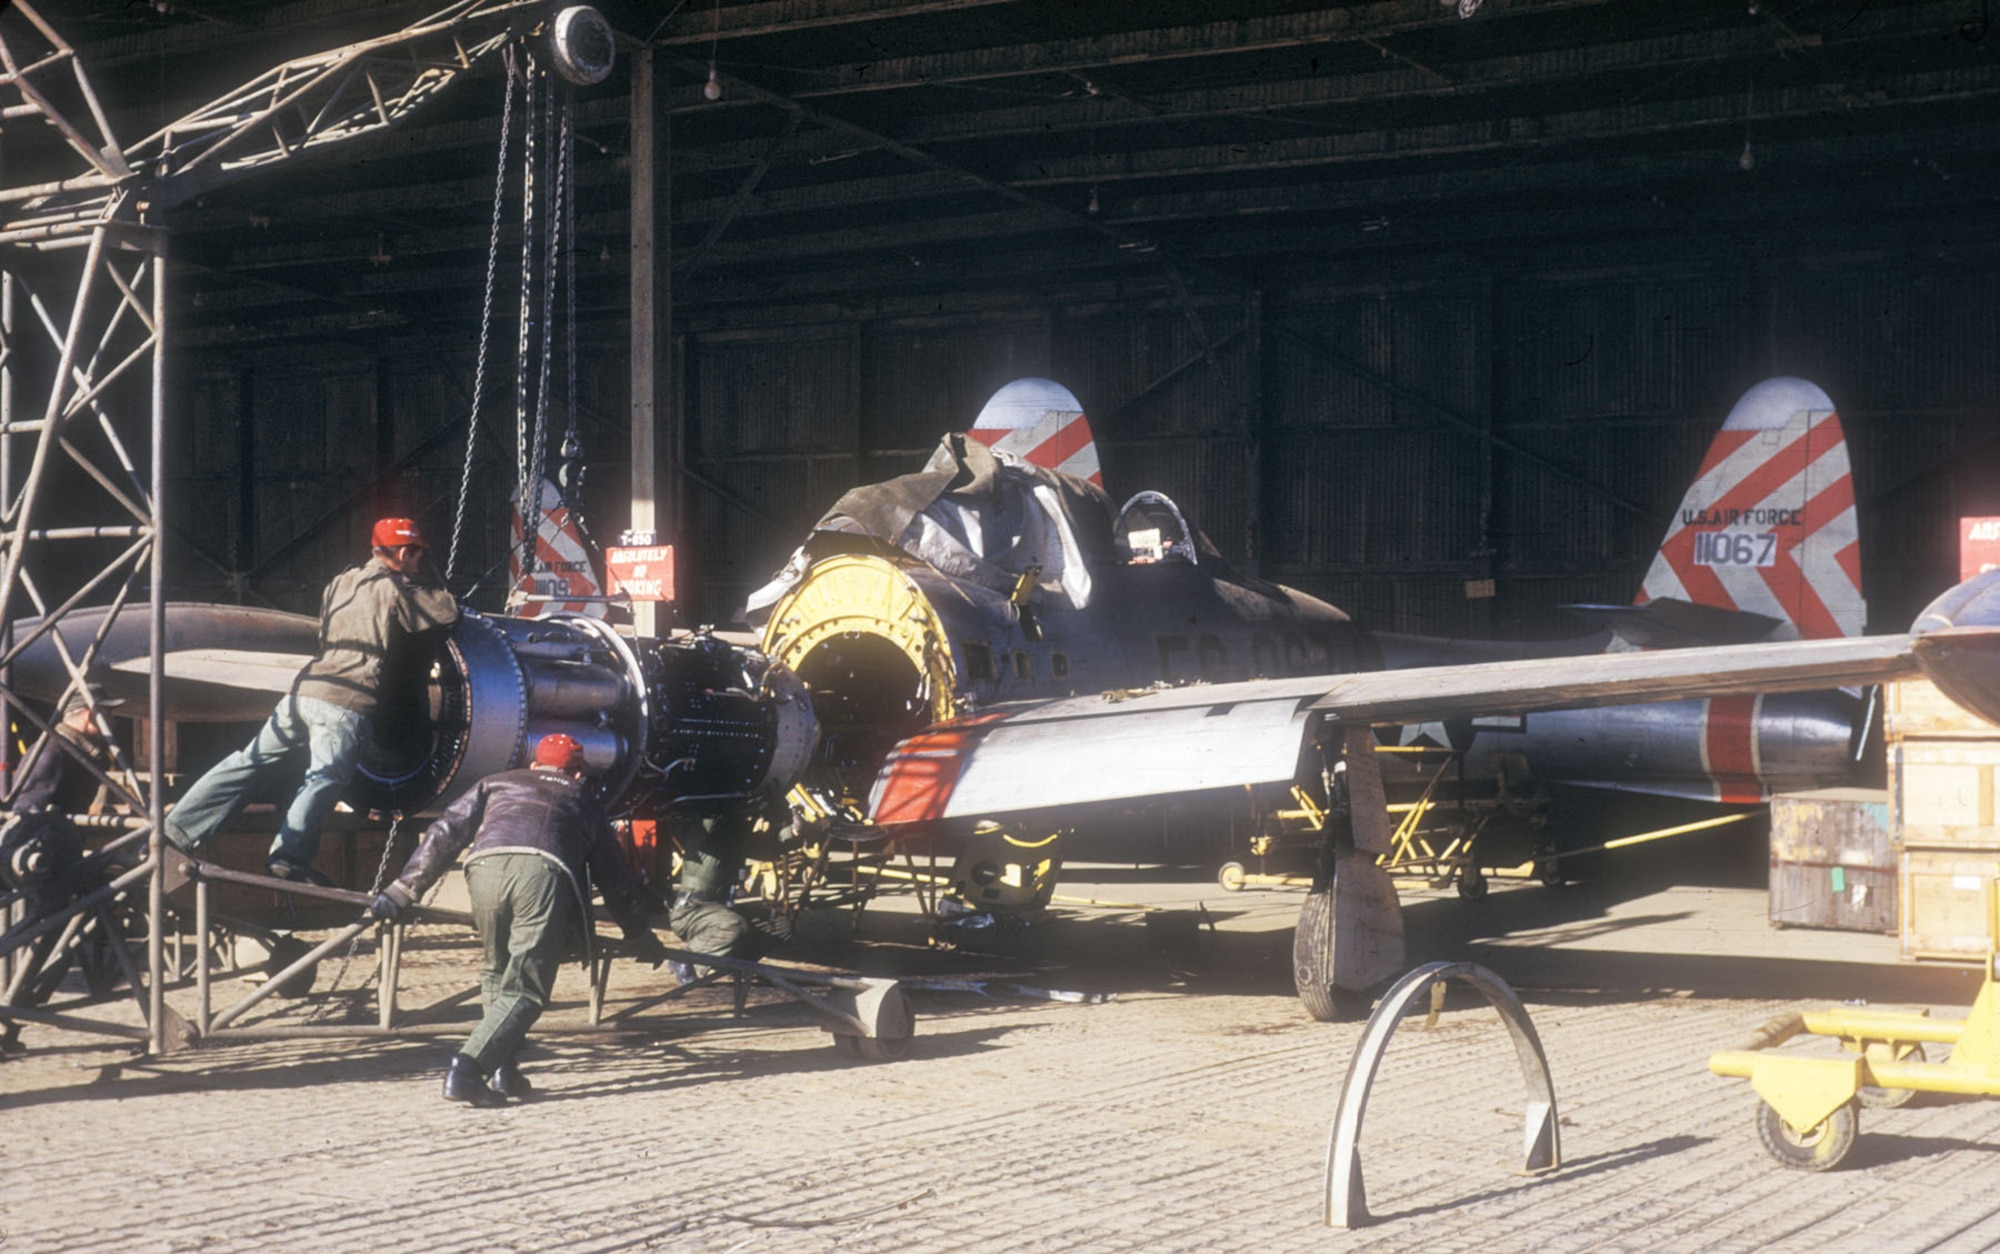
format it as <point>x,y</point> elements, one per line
<point>531,517</point>
<point>572,447</point>
<point>528,172</point>
<point>354,945</point>
<point>485,319</point>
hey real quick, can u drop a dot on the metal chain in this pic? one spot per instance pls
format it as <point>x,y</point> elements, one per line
<point>354,943</point>
<point>485,319</point>
<point>551,252</point>
<point>572,447</point>
<point>527,285</point>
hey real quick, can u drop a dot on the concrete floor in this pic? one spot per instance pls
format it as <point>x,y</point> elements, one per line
<point>1189,1112</point>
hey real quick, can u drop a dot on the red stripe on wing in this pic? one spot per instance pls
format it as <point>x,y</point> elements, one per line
<point>917,780</point>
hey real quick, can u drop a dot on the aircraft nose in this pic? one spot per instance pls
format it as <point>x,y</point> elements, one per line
<point>1957,641</point>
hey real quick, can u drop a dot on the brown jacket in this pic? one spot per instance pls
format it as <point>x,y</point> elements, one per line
<point>360,616</point>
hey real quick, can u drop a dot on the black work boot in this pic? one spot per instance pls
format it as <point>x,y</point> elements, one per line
<point>463,1083</point>
<point>508,1081</point>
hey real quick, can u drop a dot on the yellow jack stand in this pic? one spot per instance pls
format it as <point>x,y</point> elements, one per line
<point>1808,1112</point>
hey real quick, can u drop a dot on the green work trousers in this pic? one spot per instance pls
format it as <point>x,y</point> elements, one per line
<point>525,909</point>
<point>701,916</point>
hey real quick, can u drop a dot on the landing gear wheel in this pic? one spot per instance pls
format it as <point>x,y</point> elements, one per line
<point>1889,1099</point>
<point>1472,883</point>
<point>1312,964</point>
<point>1549,871</point>
<point>874,1048</point>
<point>1818,1148</point>
<point>1231,877</point>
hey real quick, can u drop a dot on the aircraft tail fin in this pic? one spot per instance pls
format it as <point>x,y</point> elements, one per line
<point>562,563</point>
<point>1041,422</point>
<point>1768,527</point>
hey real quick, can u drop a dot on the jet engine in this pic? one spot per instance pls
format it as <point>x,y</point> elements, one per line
<point>669,721</point>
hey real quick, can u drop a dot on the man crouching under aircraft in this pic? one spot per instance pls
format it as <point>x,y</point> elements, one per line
<point>538,841</point>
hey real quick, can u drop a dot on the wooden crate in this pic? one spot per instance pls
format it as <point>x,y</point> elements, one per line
<point>1944,793</point>
<point>1833,860</point>
<point>1943,903</point>
<point>1915,708</point>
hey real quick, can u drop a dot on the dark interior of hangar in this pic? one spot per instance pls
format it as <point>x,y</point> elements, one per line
<point>1426,309</point>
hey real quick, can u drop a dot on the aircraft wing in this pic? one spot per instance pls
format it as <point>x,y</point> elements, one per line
<point>1570,683</point>
<point>212,685</point>
<point>1078,750</point>
<point>223,663</point>
<point>1161,742</point>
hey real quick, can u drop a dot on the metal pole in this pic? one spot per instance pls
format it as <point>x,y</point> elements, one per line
<point>204,1014</point>
<point>156,745</point>
<point>645,485</point>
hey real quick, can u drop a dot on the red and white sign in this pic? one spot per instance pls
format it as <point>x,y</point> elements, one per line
<point>642,574</point>
<point>1978,546</point>
<point>562,564</point>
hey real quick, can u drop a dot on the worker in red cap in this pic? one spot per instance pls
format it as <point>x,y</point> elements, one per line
<point>539,842</point>
<point>366,613</point>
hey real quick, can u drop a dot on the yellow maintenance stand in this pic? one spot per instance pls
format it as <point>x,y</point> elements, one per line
<point>1808,1113</point>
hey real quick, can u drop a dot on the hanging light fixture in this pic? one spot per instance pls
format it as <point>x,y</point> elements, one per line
<point>712,89</point>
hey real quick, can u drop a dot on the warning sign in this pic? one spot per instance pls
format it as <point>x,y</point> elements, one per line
<point>1978,546</point>
<point>642,574</point>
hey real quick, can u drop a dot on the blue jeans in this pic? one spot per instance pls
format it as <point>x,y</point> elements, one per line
<point>331,734</point>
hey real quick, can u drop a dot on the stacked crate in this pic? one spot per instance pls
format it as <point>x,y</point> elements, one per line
<point>1833,860</point>
<point>1942,764</point>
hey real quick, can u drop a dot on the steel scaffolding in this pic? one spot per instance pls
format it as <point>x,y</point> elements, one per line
<point>84,335</point>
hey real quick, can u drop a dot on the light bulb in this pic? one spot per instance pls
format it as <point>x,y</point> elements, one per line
<point>712,89</point>
<point>1092,206</point>
<point>1748,159</point>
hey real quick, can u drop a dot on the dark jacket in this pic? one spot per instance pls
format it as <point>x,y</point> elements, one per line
<point>57,780</point>
<point>531,811</point>
<point>360,617</point>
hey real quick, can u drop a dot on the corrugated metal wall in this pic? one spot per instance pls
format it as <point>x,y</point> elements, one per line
<point>1388,448</point>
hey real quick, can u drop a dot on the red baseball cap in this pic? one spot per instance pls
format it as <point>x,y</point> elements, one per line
<point>396,533</point>
<point>559,751</point>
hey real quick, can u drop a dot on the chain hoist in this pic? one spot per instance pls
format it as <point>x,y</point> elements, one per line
<point>548,223</point>
<point>485,317</point>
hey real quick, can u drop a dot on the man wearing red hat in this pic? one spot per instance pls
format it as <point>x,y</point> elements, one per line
<point>365,613</point>
<point>539,841</point>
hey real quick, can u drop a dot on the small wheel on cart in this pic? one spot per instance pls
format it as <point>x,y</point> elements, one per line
<point>1888,1099</point>
<point>1817,1148</point>
<point>1231,877</point>
<point>1472,883</point>
<point>1550,872</point>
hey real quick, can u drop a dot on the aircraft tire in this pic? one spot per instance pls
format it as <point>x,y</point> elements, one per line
<point>1818,1148</point>
<point>1472,883</point>
<point>1312,964</point>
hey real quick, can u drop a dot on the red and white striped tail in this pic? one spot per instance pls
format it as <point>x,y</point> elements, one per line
<point>1041,422</point>
<point>1769,526</point>
<point>562,564</point>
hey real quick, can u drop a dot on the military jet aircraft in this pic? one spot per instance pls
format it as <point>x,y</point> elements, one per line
<point>987,646</point>
<point>1000,573</point>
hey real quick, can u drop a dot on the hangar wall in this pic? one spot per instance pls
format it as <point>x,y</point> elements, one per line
<point>1388,446</point>
<point>1385,447</point>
